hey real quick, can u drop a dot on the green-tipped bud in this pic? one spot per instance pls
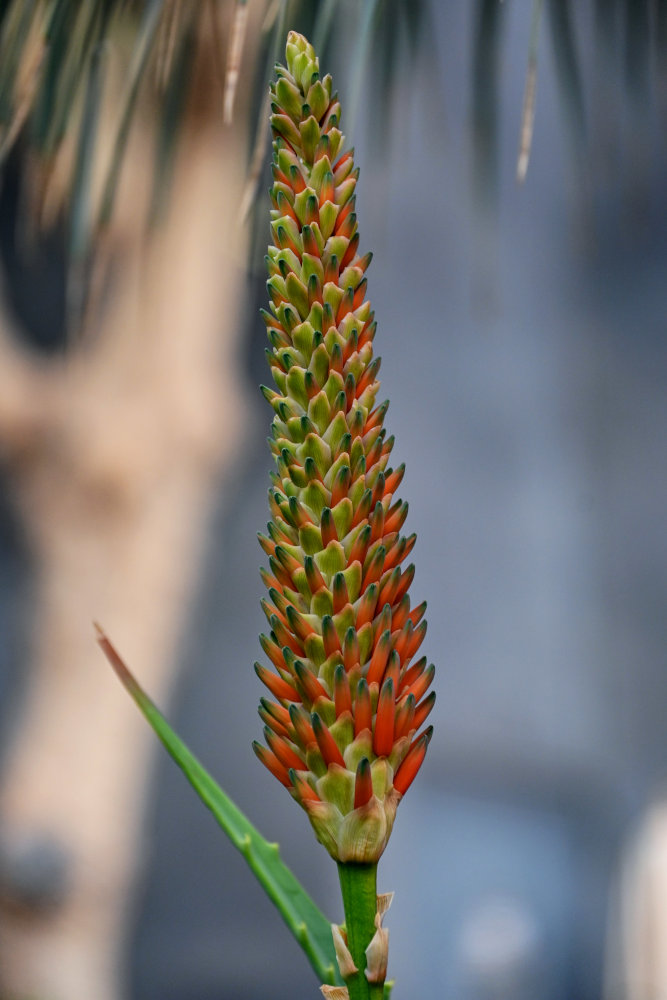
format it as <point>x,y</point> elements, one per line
<point>302,64</point>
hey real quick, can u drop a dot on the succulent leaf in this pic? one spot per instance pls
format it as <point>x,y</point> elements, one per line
<point>307,923</point>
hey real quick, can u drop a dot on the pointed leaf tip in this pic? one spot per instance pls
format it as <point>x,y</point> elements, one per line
<point>121,669</point>
<point>294,904</point>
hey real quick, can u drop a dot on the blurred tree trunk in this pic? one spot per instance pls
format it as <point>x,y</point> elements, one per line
<point>643,898</point>
<point>114,454</point>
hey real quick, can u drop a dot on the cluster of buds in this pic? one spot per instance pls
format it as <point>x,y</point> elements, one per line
<point>344,725</point>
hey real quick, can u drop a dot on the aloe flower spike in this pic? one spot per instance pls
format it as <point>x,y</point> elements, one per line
<point>344,735</point>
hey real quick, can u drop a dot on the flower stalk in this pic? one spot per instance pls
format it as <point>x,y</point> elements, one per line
<point>358,885</point>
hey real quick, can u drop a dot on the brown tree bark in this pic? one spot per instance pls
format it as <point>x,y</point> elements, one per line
<point>114,455</point>
<point>641,973</point>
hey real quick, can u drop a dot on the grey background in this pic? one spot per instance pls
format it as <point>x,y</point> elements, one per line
<point>522,331</point>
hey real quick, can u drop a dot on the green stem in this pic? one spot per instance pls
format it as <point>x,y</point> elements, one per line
<point>359,887</point>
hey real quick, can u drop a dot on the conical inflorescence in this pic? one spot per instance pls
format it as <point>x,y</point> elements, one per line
<point>343,725</point>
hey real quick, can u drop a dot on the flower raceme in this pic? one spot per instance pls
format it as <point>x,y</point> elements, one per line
<point>348,703</point>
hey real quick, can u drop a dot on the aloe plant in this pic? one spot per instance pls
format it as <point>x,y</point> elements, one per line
<point>344,724</point>
<point>342,735</point>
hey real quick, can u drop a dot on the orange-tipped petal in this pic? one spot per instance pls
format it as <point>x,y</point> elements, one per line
<point>273,651</point>
<point>276,716</point>
<point>273,611</point>
<point>418,613</point>
<point>423,683</point>
<point>285,637</point>
<point>359,293</point>
<point>406,579</point>
<point>348,256</point>
<point>414,641</point>
<point>345,226</point>
<point>389,587</point>
<point>299,513</point>
<point>411,674</point>
<point>314,578</point>
<point>304,792</point>
<point>342,694</point>
<point>383,736</point>
<point>268,580</point>
<point>278,687</point>
<point>287,756</point>
<point>351,649</point>
<point>368,378</point>
<point>309,242</point>
<point>400,614</point>
<point>330,636</point>
<point>375,567</point>
<point>331,272</point>
<point>360,545</point>
<point>310,684</point>
<point>327,188</point>
<point>399,550</point>
<point>394,478</point>
<point>363,784</point>
<point>379,489</point>
<point>367,606</point>
<point>423,710</point>
<point>270,761</point>
<point>267,544</point>
<point>405,717</point>
<point>269,721</point>
<point>300,719</point>
<point>377,416</point>
<point>344,214</point>
<point>287,560</point>
<point>376,521</point>
<point>393,670</point>
<point>327,527</point>
<point>280,602</point>
<point>379,658</point>
<point>299,625</point>
<point>280,574</point>
<point>363,509</point>
<point>326,742</point>
<point>341,485</point>
<point>413,760</point>
<point>347,159</point>
<point>402,640</point>
<point>383,621</point>
<point>340,595</point>
<point>363,712</point>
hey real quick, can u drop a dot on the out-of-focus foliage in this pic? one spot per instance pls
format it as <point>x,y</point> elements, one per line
<point>63,64</point>
<point>628,46</point>
<point>305,921</point>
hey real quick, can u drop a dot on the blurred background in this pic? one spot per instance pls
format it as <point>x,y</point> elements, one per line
<point>522,331</point>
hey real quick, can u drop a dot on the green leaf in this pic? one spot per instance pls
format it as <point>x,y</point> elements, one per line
<point>81,213</point>
<point>171,120</point>
<point>323,24</point>
<point>17,21</point>
<point>307,923</point>
<point>73,33</point>
<point>361,57</point>
<point>142,50</point>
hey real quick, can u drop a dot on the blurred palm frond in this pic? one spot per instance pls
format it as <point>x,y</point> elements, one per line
<point>487,47</point>
<point>611,47</point>
<point>67,68</point>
